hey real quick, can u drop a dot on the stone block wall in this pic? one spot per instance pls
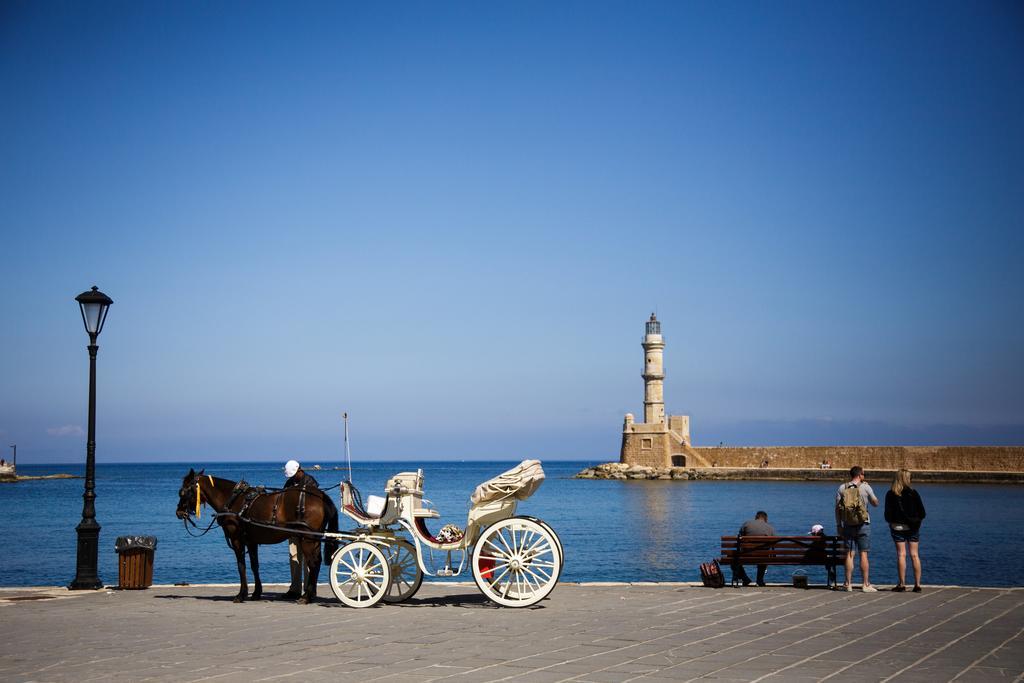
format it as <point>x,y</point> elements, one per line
<point>949,458</point>
<point>648,448</point>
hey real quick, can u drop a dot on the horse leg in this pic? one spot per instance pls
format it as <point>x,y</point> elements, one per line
<point>311,551</point>
<point>243,585</point>
<point>254,562</point>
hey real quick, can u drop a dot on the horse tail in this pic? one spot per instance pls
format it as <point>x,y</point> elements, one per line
<point>331,512</point>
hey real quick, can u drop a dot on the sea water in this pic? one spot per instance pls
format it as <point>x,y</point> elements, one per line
<point>611,530</point>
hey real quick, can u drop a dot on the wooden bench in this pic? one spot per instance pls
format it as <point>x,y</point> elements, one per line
<point>820,551</point>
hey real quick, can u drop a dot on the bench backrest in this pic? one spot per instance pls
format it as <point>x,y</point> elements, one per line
<point>783,549</point>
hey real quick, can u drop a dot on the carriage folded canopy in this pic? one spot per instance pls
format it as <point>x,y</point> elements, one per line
<point>519,482</point>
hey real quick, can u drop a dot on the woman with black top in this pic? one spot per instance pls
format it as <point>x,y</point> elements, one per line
<point>904,512</point>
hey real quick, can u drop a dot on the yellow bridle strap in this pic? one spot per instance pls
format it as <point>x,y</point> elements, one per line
<point>198,514</point>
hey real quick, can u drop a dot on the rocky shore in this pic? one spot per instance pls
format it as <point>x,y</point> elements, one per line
<point>13,478</point>
<point>620,470</point>
<point>623,471</point>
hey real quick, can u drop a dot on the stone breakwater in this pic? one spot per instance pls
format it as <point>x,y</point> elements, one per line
<point>14,478</point>
<point>624,471</point>
<point>619,470</point>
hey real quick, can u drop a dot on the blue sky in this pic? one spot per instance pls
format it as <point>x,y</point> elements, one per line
<point>452,221</point>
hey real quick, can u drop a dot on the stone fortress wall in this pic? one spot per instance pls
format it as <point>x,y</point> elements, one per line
<point>948,458</point>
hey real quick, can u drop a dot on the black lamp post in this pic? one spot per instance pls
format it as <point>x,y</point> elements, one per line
<point>94,305</point>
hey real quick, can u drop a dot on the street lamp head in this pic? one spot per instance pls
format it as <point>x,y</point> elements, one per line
<point>94,305</point>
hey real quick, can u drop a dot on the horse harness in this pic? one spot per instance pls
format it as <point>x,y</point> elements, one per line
<point>250,494</point>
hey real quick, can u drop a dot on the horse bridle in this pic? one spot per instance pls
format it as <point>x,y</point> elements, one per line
<point>196,480</point>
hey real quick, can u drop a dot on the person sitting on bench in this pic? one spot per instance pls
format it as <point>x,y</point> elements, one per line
<point>758,526</point>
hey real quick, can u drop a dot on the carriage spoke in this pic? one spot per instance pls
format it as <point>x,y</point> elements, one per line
<point>541,578</point>
<point>542,563</point>
<point>528,537</point>
<point>541,542</point>
<point>508,550</point>
<point>501,551</point>
<point>539,558</point>
<point>496,578</point>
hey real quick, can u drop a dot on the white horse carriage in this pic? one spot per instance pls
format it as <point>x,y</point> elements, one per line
<point>515,560</point>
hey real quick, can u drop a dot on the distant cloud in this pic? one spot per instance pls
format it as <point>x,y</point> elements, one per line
<point>66,430</point>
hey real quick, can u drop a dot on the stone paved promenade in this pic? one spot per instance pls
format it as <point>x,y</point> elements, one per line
<point>582,633</point>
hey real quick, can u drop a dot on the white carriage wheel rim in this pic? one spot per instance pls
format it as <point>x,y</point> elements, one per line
<point>360,574</point>
<point>407,580</point>
<point>558,543</point>
<point>526,562</point>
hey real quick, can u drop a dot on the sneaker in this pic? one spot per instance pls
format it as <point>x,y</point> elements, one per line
<point>899,589</point>
<point>847,587</point>
<point>868,588</point>
<point>917,589</point>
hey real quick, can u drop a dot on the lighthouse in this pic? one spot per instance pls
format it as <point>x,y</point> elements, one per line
<point>660,440</point>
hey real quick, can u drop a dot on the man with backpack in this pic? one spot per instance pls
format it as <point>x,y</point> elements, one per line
<point>853,523</point>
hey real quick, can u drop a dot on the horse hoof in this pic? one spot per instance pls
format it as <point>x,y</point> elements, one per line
<point>239,598</point>
<point>256,596</point>
<point>302,601</point>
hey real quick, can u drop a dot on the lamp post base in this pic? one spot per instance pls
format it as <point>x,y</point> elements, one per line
<point>86,575</point>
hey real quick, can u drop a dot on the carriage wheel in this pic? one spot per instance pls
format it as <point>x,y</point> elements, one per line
<point>516,562</point>
<point>406,575</point>
<point>360,574</point>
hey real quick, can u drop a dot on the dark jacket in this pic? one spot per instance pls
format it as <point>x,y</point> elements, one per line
<point>300,478</point>
<point>905,509</point>
<point>756,527</point>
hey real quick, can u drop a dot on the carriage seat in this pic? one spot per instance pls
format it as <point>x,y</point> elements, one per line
<point>378,511</point>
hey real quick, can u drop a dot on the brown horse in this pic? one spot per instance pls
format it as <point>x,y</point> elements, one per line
<point>251,518</point>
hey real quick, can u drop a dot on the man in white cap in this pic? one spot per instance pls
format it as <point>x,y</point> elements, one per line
<point>296,562</point>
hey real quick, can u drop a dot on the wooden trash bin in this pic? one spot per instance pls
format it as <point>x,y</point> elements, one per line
<point>135,561</point>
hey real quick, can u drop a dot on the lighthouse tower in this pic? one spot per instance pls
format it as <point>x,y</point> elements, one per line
<point>654,373</point>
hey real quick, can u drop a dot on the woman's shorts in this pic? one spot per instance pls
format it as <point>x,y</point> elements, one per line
<point>908,536</point>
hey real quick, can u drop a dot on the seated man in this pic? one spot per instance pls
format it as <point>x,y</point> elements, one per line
<point>758,526</point>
